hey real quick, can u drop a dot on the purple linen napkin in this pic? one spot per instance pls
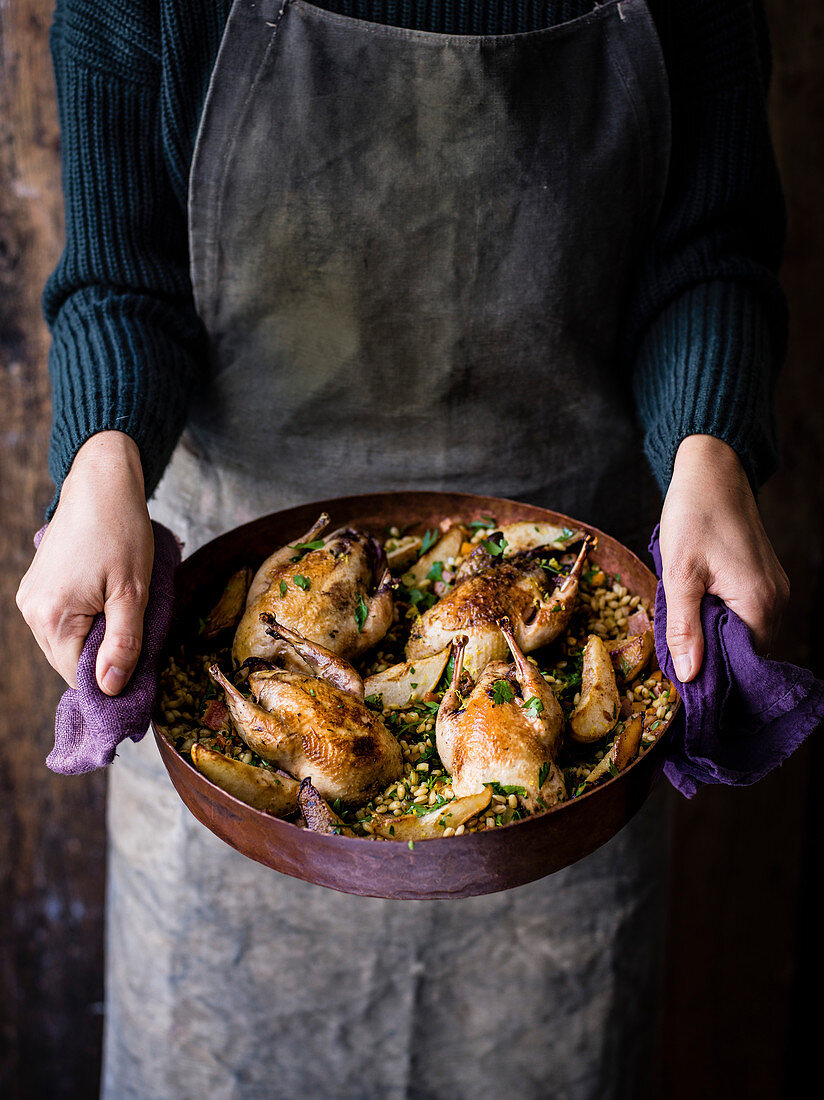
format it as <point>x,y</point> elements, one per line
<point>743,714</point>
<point>89,725</point>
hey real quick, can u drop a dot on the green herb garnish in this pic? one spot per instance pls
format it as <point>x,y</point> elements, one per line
<point>411,845</point>
<point>316,545</point>
<point>361,613</point>
<point>543,772</point>
<point>502,692</point>
<point>494,546</point>
<point>436,572</point>
<point>534,704</point>
<point>374,701</point>
<point>302,582</point>
<point>484,523</point>
<point>283,588</point>
<point>429,540</point>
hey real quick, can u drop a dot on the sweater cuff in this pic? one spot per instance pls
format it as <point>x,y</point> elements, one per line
<point>115,365</point>
<point>707,366</point>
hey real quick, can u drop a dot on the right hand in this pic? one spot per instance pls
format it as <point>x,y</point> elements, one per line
<point>96,555</point>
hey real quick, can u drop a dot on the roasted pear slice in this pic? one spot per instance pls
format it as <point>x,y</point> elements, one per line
<point>430,826</point>
<point>632,655</point>
<point>622,751</point>
<point>257,787</point>
<point>227,612</point>
<point>446,547</point>
<point>317,813</point>
<point>524,535</point>
<point>408,682</point>
<point>597,712</point>
<point>400,552</point>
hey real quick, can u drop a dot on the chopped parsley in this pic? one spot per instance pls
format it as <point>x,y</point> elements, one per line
<point>436,572</point>
<point>501,788</point>
<point>566,533</point>
<point>302,582</point>
<point>534,704</point>
<point>495,544</point>
<point>429,540</point>
<point>611,766</point>
<point>421,601</point>
<point>411,845</point>
<point>484,523</point>
<point>543,772</point>
<point>374,701</point>
<point>283,588</point>
<point>502,692</point>
<point>304,547</point>
<point>361,612</point>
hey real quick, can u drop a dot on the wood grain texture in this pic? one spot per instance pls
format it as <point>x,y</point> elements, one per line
<point>745,921</point>
<point>744,955</point>
<point>51,828</point>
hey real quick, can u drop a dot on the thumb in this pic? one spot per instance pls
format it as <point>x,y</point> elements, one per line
<point>121,644</point>
<point>685,638</point>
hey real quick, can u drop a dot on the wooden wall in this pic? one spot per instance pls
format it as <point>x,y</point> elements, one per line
<point>743,938</point>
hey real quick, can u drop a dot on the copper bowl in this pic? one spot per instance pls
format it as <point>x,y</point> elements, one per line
<point>452,867</point>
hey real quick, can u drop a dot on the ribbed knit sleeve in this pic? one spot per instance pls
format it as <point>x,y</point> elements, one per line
<point>126,341</point>
<point>707,325</point>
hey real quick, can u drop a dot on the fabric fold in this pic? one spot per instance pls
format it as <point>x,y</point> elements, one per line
<point>743,714</point>
<point>90,725</point>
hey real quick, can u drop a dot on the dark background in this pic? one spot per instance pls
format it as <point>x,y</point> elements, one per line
<point>744,954</point>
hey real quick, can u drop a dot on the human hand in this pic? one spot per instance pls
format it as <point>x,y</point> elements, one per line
<point>712,540</point>
<point>96,555</point>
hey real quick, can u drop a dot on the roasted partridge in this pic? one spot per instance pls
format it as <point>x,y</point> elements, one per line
<point>537,602</point>
<point>508,729</point>
<point>338,592</point>
<point>314,726</point>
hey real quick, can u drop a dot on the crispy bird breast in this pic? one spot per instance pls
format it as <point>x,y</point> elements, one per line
<point>336,592</point>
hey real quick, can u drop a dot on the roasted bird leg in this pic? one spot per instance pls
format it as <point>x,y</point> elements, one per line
<point>321,661</point>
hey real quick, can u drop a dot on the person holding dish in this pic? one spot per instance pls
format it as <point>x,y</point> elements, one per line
<point>322,249</point>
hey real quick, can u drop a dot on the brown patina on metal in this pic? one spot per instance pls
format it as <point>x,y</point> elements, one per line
<point>452,867</point>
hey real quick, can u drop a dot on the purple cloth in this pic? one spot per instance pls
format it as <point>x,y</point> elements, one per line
<point>90,725</point>
<point>743,714</point>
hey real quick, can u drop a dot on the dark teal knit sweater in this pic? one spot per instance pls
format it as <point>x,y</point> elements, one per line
<point>705,328</point>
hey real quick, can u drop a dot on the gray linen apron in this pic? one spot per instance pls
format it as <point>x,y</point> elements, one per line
<point>411,252</point>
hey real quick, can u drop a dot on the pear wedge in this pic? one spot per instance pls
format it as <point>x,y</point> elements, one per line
<point>431,825</point>
<point>408,682</point>
<point>257,787</point>
<point>597,712</point>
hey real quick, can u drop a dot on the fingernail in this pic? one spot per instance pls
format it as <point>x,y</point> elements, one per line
<point>683,666</point>
<point>114,680</point>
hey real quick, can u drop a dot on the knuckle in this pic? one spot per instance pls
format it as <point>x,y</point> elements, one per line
<point>681,573</point>
<point>680,632</point>
<point>132,591</point>
<point>124,643</point>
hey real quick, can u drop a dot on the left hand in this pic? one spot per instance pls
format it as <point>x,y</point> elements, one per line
<point>712,540</point>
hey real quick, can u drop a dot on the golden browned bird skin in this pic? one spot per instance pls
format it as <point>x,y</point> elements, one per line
<point>515,588</point>
<point>350,567</point>
<point>481,741</point>
<point>314,730</point>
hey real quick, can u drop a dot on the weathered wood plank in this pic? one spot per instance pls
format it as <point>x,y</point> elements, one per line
<point>51,828</point>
